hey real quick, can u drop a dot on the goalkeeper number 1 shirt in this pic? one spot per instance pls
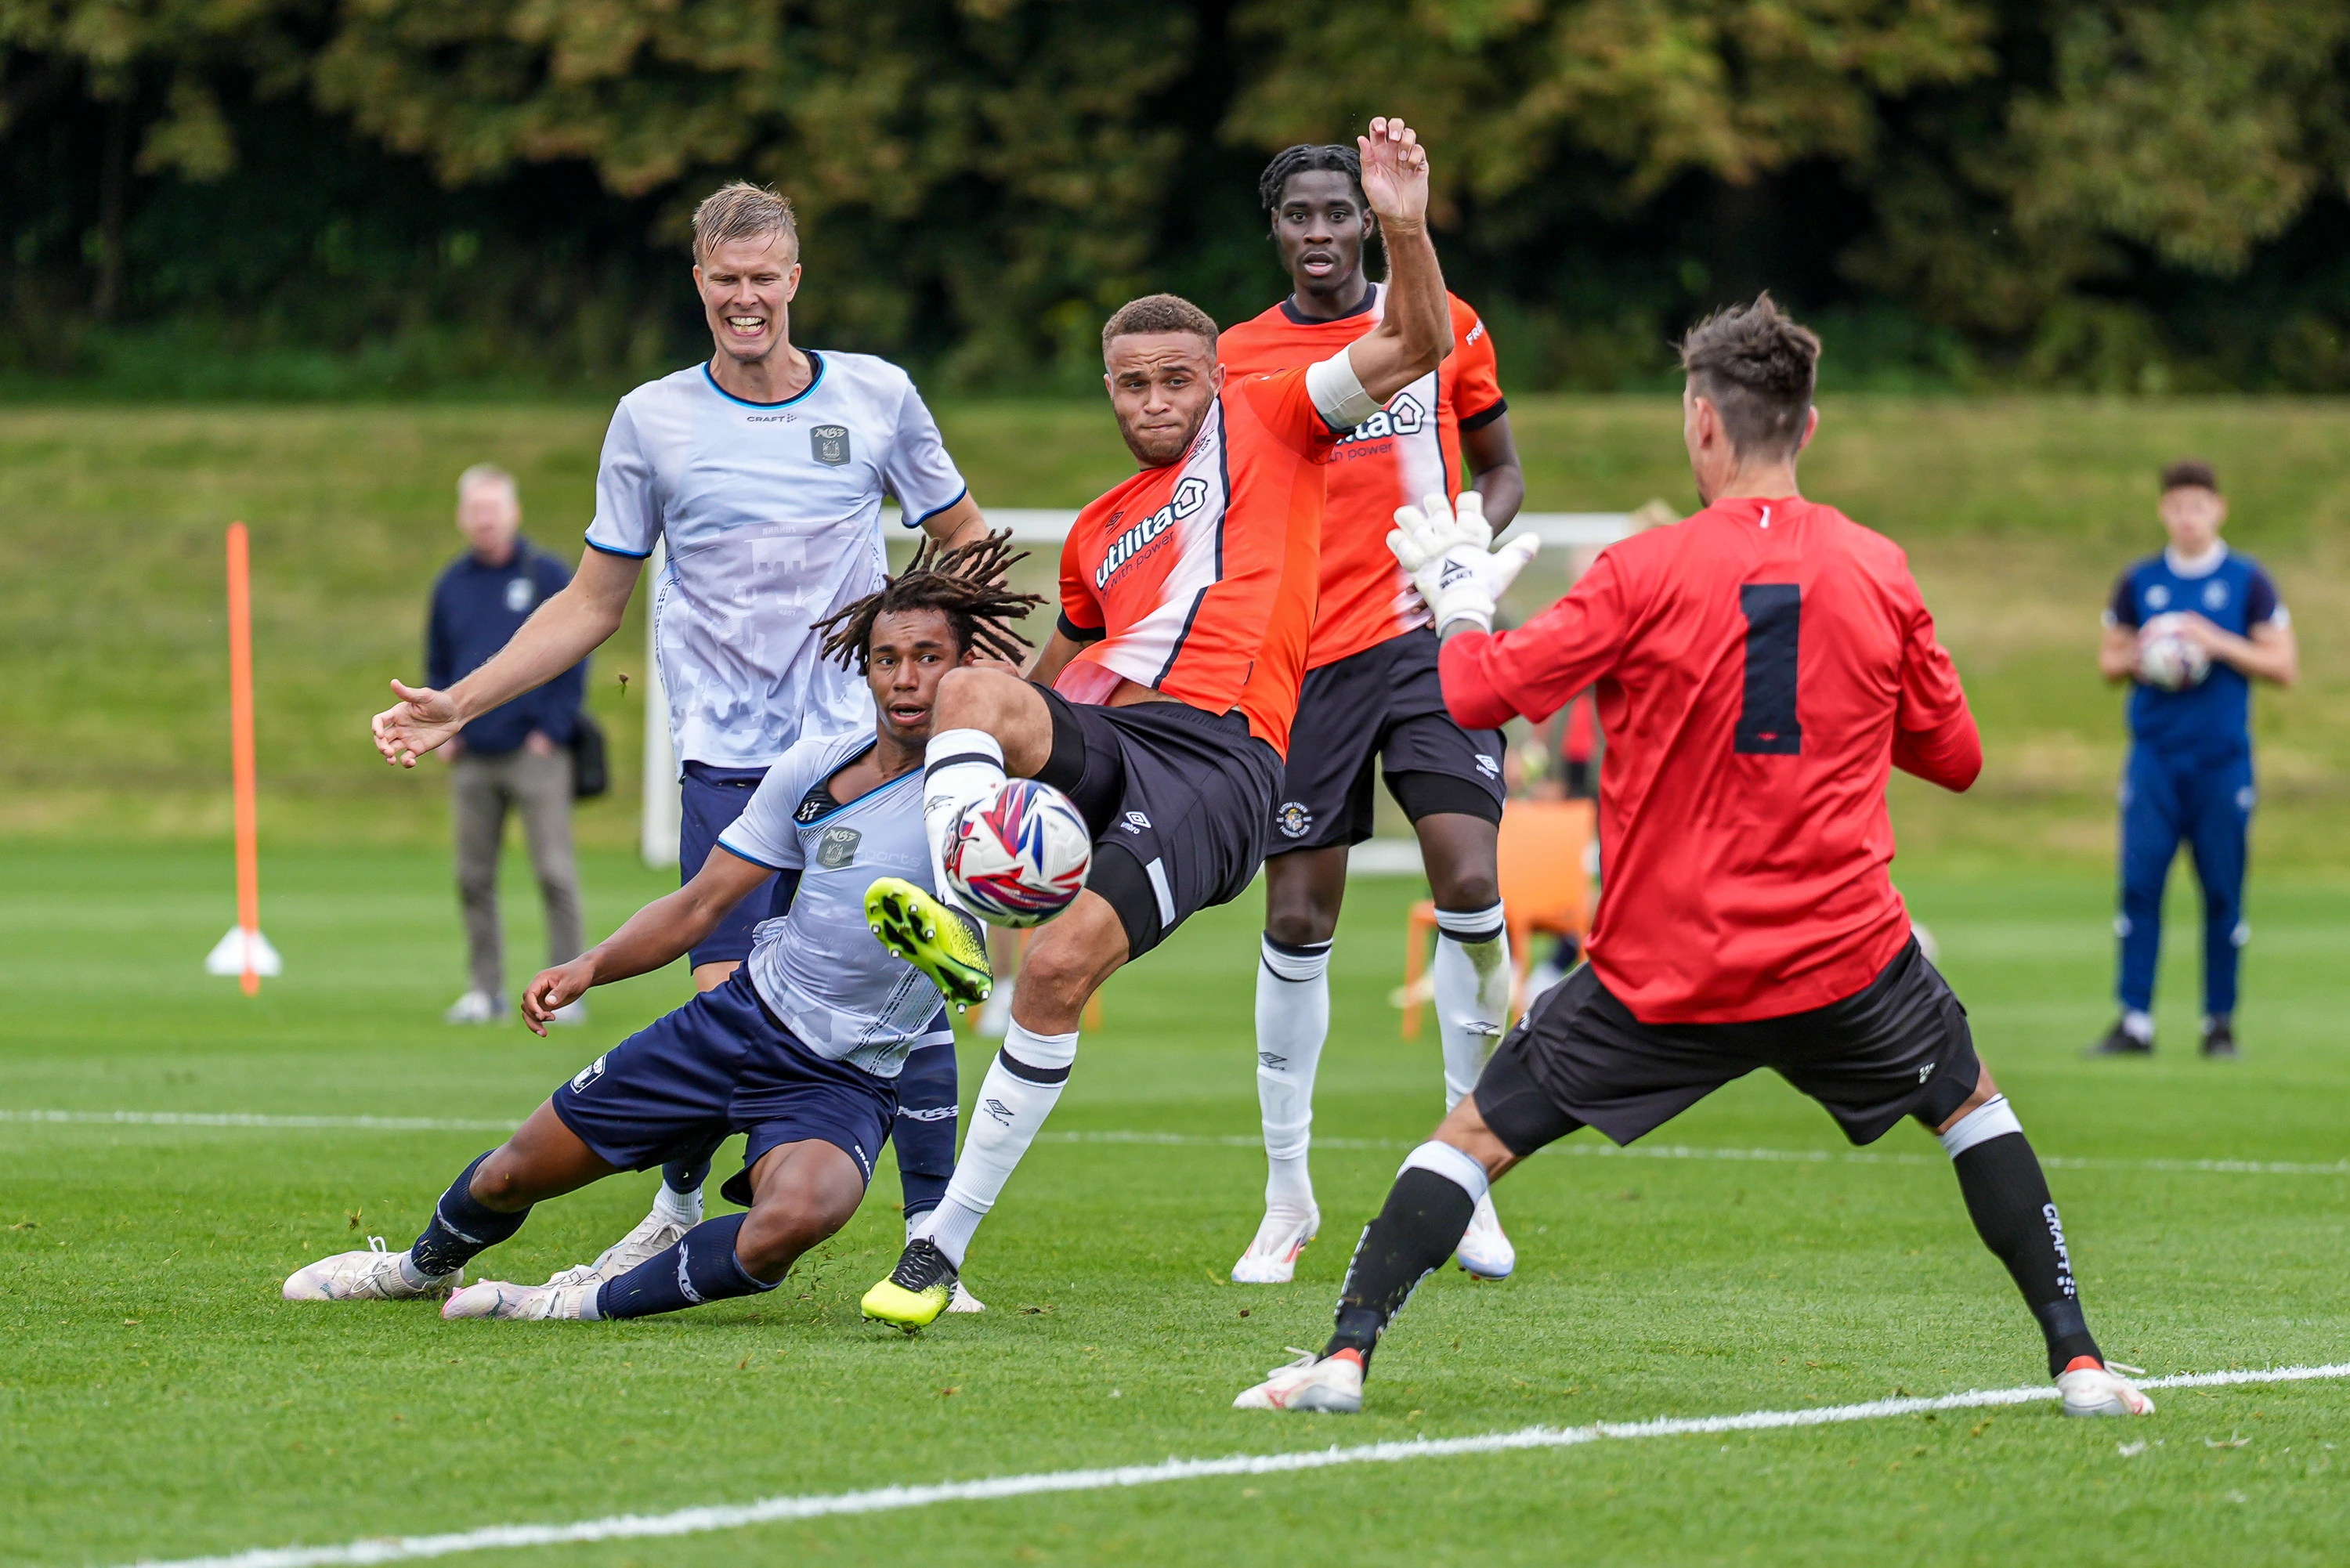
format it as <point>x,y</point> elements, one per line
<point>1760,668</point>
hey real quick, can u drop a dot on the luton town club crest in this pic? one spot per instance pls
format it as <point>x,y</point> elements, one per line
<point>830,444</point>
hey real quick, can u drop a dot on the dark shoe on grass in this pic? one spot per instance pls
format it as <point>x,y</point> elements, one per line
<point>2120,1042</point>
<point>2220,1040</point>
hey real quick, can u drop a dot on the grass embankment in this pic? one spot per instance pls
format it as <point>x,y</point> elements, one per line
<point>2018,512</point>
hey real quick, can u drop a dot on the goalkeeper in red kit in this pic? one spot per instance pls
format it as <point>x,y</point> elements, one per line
<point>1760,668</point>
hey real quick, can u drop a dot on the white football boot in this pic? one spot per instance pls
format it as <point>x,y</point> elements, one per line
<point>654,1234</point>
<point>961,1300</point>
<point>2090,1389</point>
<point>374,1275</point>
<point>1272,1256</point>
<point>1483,1250</point>
<point>1332,1385</point>
<point>476,1007</point>
<point>520,1304</point>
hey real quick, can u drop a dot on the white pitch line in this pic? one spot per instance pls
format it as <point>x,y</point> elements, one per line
<point>884,1500</point>
<point>1590,1149</point>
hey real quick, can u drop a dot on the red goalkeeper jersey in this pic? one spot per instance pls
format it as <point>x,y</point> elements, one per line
<point>1760,668</point>
<point>1408,448</point>
<point>1197,579</point>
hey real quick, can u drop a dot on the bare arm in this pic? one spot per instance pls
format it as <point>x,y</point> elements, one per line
<point>564,630</point>
<point>1494,473</point>
<point>663,930</point>
<point>1059,648</point>
<point>958,524</point>
<point>2270,653</point>
<point>2117,653</point>
<point>1415,333</point>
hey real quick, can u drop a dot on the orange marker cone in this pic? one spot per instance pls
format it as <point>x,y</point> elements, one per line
<point>244,951</point>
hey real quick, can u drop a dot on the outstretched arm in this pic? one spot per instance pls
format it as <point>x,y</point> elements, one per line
<point>564,630</point>
<point>1415,333</point>
<point>664,929</point>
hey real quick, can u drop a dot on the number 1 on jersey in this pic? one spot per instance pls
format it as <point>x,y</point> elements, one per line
<point>1767,725</point>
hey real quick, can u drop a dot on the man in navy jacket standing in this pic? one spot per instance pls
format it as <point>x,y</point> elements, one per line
<point>518,754</point>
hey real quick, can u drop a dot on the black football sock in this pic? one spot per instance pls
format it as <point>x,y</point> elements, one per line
<point>1426,1211</point>
<point>461,1227</point>
<point>2007,1198</point>
<point>701,1268</point>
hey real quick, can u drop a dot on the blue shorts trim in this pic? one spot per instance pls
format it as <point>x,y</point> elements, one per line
<point>722,1064</point>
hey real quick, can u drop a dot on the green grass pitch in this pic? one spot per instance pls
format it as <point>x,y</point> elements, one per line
<point>159,1401</point>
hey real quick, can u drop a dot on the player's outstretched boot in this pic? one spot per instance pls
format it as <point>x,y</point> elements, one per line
<point>653,1236</point>
<point>917,1290</point>
<point>520,1304</point>
<point>943,942</point>
<point>1272,1257</point>
<point>1483,1250</point>
<point>1332,1385</point>
<point>374,1275</point>
<point>2091,1388</point>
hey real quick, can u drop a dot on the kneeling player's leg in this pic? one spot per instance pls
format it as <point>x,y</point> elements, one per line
<point>802,1193</point>
<point>2007,1196</point>
<point>1067,963</point>
<point>485,1205</point>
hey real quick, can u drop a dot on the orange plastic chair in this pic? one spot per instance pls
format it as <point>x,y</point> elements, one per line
<point>1544,887</point>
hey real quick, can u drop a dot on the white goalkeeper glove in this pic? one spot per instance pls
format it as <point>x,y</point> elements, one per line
<point>1448,553</point>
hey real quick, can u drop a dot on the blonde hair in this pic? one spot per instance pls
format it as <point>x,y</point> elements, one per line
<point>741,211</point>
<point>487,474</point>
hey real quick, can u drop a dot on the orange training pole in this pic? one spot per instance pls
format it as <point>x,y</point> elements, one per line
<point>240,726</point>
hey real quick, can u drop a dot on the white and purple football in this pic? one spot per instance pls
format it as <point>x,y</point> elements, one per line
<point>2167,659</point>
<point>1020,855</point>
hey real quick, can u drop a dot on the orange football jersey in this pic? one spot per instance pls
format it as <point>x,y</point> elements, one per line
<point>1410,449</point>
<point>1198,579</point>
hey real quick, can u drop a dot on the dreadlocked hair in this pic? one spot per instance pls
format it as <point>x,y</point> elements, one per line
<point>966,584</point>
<point>1305,158</point>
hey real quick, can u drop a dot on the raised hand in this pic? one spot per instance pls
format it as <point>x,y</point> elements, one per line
<point>1446,554</point>
<point>1395,171</point>
<point>421,720</point>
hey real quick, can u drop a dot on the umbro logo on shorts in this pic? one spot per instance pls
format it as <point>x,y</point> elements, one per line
<point>1294,820</point>
<point>586,1076</point>
<point>1488,767</point>
<point>1135,823</point>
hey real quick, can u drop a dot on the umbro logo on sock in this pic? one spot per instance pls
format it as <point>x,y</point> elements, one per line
<point>999,1110</point>
<point>1267,1059</point>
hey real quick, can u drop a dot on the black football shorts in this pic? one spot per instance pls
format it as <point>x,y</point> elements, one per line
<point>1177,801</point>
<point>1898,1047</point>
<point>1384,704</point>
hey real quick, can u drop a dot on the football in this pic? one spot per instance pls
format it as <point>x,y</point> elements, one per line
<point>1020,854</point>
<point>2166,659</point>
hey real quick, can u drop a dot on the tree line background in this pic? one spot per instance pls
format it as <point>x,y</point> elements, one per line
<point>351,197</point>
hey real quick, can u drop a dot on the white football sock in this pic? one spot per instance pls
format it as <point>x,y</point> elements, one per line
<point>1292,1019</point>
<point>2137,1026</point>
<point>958,767</point>
<point>1022,1085</point>
<point>1471,971</point>
<point>679,1209</point>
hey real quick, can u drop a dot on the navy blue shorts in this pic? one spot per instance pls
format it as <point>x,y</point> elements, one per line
<point>1385,704</point>
<point>722,1064</point>
<point>1177,800</point>
<point>711,799</point>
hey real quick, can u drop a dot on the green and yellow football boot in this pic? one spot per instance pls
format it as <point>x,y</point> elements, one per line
<point>917,1290</point>
<point>943,942</point>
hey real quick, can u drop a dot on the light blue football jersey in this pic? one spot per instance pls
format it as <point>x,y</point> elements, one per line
<point>818,968</point>
<point>772,513</point>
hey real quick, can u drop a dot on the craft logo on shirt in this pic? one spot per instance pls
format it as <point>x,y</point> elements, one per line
<point>828,445</point>
<point>1403,416</point>
<point>1189,496</point>
<point>837,847</point>
<point>1294,820</point>
<point>521,594</point>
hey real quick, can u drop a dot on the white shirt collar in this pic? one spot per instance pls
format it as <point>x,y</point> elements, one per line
<point>2202,566</point>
